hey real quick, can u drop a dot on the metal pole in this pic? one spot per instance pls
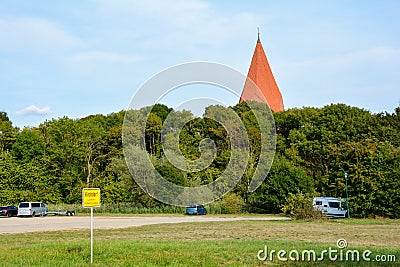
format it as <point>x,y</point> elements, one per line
<point>91,235</point>
<point>1,140</point>
<point>347,197</point>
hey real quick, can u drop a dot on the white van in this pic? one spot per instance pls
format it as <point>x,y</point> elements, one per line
<point>32,209</point>
<point>330,206</point>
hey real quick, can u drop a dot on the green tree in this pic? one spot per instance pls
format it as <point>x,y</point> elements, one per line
<point>7,132</point>
<point>283,179</point>
<point>28,146</point>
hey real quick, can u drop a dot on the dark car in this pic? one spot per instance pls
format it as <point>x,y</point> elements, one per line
<point>8,211</point>
<point>196,209</point>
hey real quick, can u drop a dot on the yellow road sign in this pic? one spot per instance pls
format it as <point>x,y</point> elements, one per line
<point>91,197</point>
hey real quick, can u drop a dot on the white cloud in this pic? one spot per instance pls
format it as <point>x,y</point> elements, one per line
<point>32,33</point>
<point>334,63</point>
<point>353,77</point>
<point>97,56</point>
<point>376,54</point>
<point>172,10</point>
<point>34,110</point>
<point>171,24</point>
<point>157,29</point>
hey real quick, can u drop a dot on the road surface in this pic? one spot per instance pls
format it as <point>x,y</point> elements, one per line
<point>59,223</point>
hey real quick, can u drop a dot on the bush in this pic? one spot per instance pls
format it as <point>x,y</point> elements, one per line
<point>299,207</point>
<point>231,203</point>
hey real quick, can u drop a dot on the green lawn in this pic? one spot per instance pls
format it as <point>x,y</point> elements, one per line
<point>203,244</point>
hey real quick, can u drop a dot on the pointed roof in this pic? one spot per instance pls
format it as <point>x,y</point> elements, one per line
<point>261,75</point>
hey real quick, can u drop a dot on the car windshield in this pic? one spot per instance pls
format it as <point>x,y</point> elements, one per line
<point>334,204</point>
<point>3,208</point>
<point>24,205</point>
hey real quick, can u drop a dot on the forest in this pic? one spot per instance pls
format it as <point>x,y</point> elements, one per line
<point>314,148</point>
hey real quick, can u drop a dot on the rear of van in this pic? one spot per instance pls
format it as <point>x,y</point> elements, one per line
<point>32,209</point>
<point>24,209</point>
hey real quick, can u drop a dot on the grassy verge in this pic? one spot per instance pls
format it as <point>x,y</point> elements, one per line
<point>204,244</point>
<point>118,208</point>
<point>131,208</point>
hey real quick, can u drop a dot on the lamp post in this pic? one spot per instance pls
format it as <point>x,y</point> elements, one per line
<point>1,140</point>
<point>347,196</point>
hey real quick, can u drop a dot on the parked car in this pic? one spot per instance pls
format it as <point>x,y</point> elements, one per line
<point>330,206</point>
<point>8,211</point>
<point>196,209</point>
<point>32,209</point>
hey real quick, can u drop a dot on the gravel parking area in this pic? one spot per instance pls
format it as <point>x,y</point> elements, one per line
<point>59,223</point>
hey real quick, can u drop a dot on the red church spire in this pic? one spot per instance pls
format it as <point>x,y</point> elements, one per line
<point>261,75</point>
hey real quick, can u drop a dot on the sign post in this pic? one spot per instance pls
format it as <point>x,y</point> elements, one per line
<point>347,197</point>
<point>91,199</point>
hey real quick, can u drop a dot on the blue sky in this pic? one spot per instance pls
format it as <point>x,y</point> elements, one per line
<point>76,58</point>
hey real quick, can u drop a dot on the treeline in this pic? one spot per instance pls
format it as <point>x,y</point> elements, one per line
<point>315,147</point>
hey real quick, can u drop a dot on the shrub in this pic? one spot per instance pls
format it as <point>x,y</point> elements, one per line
<point>231,203</point>
<point>299,207</point>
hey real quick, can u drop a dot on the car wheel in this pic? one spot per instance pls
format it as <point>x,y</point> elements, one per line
<point>33,214</point>
<point>9,214</point>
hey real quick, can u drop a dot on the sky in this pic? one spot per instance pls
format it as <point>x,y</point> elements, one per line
<point>79,58</point>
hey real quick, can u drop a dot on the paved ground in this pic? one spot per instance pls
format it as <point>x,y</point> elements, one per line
<point>56,223</point>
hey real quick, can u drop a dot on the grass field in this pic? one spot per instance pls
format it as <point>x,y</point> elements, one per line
<point>206,244</point>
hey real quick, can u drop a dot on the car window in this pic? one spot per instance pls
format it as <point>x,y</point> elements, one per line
<point>334,204</point>
<point>24,205</point>
<point>35,205</point>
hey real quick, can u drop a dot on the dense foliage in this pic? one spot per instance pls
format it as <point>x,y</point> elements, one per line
<point>315,147</point>
<point>299,207</point>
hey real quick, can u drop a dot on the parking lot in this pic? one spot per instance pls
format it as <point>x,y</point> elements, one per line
<point>59,223</point>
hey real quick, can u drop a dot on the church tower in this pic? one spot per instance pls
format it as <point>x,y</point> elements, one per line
<point>261,75</point>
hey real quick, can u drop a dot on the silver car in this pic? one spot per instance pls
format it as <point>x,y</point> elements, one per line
<point>32,209</point>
